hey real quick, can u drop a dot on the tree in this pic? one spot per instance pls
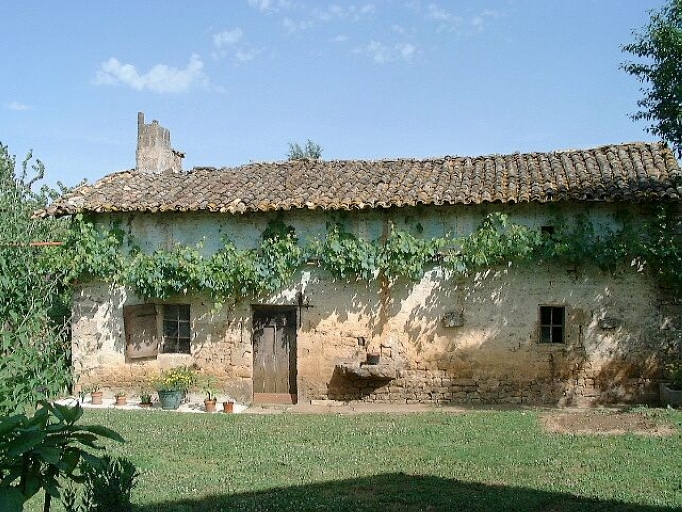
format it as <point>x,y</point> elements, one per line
<point>659,44</point>
<point>34,348</point>
<point>311,150</point>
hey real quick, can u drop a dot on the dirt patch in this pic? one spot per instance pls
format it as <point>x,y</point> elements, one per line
<point>607,422</point>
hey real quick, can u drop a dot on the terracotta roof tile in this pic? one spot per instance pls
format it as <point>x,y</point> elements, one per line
<point>626,172</point>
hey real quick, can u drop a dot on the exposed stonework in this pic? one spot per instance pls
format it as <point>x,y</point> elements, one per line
<point>494,357</point>
<point>154,153</point>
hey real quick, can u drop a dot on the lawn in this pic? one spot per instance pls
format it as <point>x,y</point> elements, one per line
<point>479,460</point>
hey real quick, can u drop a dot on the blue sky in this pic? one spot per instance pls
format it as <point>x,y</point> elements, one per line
<point>236,81</point>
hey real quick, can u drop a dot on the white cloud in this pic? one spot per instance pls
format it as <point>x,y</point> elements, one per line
<point>381,53</point>
<point>435,12</point>
<point>406,50</point>
<point>445,19</point>
<point>292,26</point>
<point>227,38</point>
<point>339,39</point>
<point>161,78</point>
<point>15,105</point>
<point>338,12</point>
<point>246,54</point>
<point>230,42</point>
<point>448,21</point>
<point>270,5</point>
<point>480,21</point>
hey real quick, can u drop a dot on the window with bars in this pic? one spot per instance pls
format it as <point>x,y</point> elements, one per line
<point>552,324</point>
<point>176,329</point>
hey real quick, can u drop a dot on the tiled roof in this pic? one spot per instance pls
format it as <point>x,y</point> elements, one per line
<point>625,172</point>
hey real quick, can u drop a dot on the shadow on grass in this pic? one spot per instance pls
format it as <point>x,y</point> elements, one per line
<point>400,493</point>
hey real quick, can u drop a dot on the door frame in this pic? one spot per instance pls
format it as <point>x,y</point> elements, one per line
<point>274,310</point>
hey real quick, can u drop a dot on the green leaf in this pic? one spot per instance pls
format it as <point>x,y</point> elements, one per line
<point>25,442</point>
<point>11,499</point>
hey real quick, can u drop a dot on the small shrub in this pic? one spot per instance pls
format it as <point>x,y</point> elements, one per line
<point>180,378</point>
<point>38,452</point>
<point>107,487</point>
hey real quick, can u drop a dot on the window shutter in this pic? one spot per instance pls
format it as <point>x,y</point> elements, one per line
<point>141,331</point>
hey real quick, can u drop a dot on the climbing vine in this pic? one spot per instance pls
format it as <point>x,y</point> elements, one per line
<point>346,256</point>
<point>233,273</point>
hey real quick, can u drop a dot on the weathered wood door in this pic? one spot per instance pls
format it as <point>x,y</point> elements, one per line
<point>274,355</point>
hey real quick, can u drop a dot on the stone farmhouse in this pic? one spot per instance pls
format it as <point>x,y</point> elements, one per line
<point>537,333</point>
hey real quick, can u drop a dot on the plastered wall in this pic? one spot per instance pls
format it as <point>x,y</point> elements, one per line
<point>446,339</point>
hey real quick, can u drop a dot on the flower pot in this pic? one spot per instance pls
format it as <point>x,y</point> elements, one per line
<point>209,405</point>
<point>97,397</point>
<point>170,400</point>
<point>670,396</point>
<point>121,400</point>
<point>145,405</point>
<point>228,406</point>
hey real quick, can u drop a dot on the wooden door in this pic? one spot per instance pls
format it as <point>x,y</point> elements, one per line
<point>274,356</point>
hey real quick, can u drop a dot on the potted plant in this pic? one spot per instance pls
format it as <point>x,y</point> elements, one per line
<point>95,393</point>
<point>145,399</point>
<point>121,398</point>
<point>228,406</point>
<point>173,384</point>
<point>671,387</point>
<point>208,386</point>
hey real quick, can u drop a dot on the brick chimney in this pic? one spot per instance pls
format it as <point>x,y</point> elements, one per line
<point>154,153</point>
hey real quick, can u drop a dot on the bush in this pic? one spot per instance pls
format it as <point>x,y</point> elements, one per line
<point>107,487</point>
<point>38,452</point>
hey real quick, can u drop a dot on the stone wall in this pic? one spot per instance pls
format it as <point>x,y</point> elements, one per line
<point>444,339</point>
<point>490,354</point>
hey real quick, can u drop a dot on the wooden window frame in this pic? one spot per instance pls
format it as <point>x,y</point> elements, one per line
<point>151,329</point>
<point>552,324</point>
<point>176,329</point>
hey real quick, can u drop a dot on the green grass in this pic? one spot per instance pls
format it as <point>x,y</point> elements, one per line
<point>432,461</point>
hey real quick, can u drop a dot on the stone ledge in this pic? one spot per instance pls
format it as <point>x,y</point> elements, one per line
<point>368,371</point>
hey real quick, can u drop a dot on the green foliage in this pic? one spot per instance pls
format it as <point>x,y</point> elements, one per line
<point>659,48</point>
<point>495,242</point>
<point>164,273</point>
<point>311,151</point>
<point>344,255</point>
<point>659,250</point>
<point>403,254</point>
<point>90,252</point>
<point>34,350</point>
<point>36,451</point>
<point>107,487</point>
<point>209,385</point>
<point>231,273</point>
<point>180,378</point>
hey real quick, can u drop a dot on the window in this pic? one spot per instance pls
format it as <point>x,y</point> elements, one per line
<point>150,328</point>
<point>176,333</point>
<point>552,324</point>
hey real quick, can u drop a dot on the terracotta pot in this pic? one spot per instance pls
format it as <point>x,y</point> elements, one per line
<point>209,405</point>
<point>145,404</point>
<point>121,400</point>
<point>97,397</point>
<point>228,406</point>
